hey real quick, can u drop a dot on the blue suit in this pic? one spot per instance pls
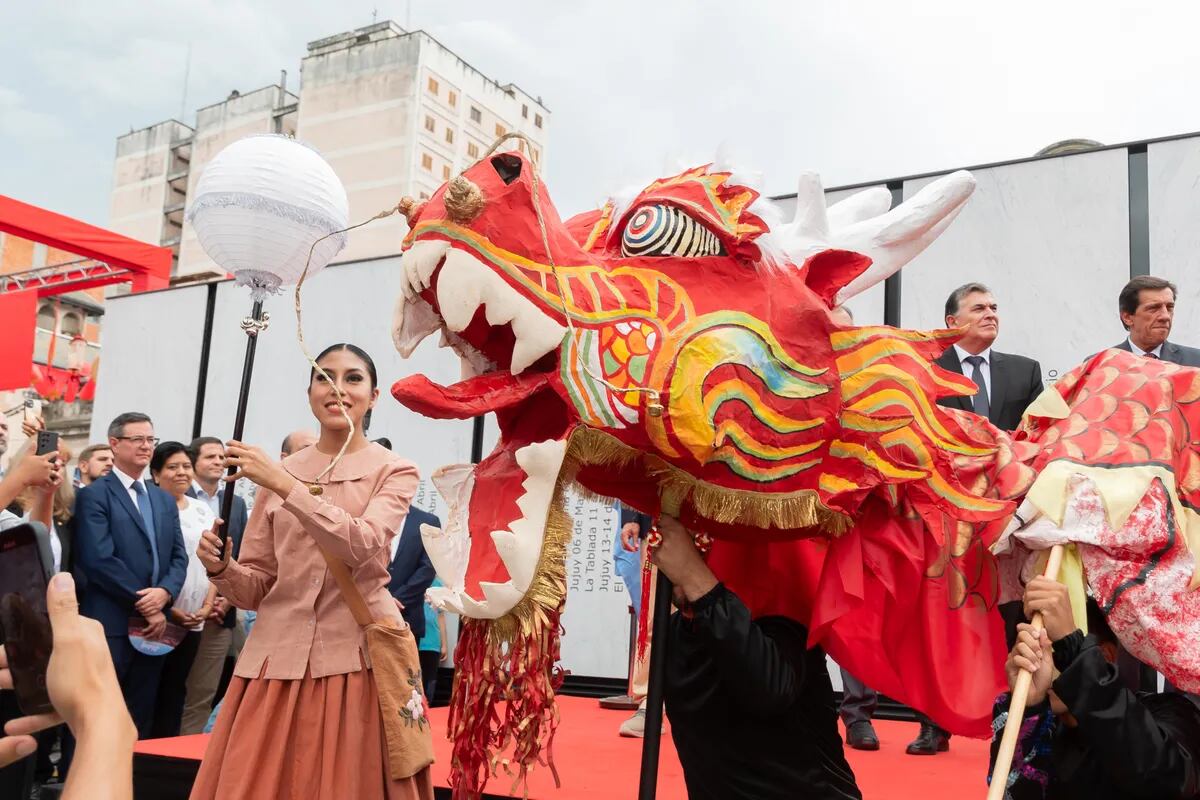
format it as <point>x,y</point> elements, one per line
<point>411,570</point>
<point>113,555</point>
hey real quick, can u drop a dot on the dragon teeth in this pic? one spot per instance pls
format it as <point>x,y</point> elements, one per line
<point>519,547</point>
<point>464,285</point>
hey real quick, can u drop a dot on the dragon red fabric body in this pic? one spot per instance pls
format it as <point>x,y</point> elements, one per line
<point>675,351</point>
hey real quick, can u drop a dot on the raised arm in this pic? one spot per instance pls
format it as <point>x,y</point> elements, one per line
<point>246,580</point>
<point>355,540</point>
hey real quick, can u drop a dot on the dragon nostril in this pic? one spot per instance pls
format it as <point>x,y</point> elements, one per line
<point>507,166</point>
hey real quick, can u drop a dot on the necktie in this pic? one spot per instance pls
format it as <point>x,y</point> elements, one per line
<point>1152,355</point>
<point>143,504</point>
<point>980,401</point>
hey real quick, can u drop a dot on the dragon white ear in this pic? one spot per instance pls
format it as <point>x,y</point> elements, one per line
<point>893,239</point>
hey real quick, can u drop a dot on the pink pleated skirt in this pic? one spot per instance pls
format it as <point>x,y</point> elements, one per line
<point>308,739</point>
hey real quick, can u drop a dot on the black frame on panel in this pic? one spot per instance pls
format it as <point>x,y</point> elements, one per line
<point>205,350</point>
<point>1139,211</point>
<point>891,286</point>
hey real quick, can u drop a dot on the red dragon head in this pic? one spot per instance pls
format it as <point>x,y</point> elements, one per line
<point>674,351</point>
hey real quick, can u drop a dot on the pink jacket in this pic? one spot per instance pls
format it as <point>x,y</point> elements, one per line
<point>303,622</point>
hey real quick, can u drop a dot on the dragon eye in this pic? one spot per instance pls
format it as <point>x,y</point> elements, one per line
<point>662,230</point>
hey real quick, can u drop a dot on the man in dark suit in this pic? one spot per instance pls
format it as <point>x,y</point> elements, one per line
<point>1007,383</point>
<point>411,570</point>
<point>204,678</point>
<point>130,549</point>
<point>1147,307</point>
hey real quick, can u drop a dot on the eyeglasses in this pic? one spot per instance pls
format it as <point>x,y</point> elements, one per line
<point>138,441</point>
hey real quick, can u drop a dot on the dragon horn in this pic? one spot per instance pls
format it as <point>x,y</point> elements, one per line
<point>859,206</point>
<point>895,238</point>
<point>810,222</point>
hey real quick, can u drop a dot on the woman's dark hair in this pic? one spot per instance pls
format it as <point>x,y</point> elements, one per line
<point>363,357</point>
<point>164,452</point>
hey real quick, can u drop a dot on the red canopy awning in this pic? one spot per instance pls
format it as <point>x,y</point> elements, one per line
<point>105,258</point>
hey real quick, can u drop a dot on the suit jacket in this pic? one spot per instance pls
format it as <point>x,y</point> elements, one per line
<point>1175,353</point>
<point>411,570</point>
<point>236,527</point>
<point>112,551</point>
<point>1016,382</point>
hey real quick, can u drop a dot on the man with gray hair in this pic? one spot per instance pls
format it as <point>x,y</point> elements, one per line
<point>130,549</point>
<point>1007,383</point>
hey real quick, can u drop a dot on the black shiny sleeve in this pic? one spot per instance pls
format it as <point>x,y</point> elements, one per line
<point>761,661</point>
<point>1142,755</point>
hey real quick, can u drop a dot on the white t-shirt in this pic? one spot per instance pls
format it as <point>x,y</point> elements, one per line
<point>194,520</point>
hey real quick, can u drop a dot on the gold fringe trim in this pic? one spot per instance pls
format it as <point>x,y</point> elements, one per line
<point>784,511</point>
<point>549,587</point>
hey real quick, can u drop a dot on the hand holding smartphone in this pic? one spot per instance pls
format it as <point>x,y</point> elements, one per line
<point>24,619</point>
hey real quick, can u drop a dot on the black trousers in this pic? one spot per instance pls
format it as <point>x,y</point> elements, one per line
<point>429,671</point>
<point>859,701</point>
<point>172,687</point>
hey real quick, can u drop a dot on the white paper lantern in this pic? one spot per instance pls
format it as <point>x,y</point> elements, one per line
<point>259,206</point>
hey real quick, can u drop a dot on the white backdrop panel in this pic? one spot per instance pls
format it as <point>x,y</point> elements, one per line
<point>1051,239</point>
<point>351,303</point>
<point>867,307</point>
<point>151,360</point>
<point>1174,173</point>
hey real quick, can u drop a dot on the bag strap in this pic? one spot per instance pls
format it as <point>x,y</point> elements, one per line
<point>345,582</point>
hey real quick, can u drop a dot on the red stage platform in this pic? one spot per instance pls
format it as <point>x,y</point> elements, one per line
<point>596,764</point>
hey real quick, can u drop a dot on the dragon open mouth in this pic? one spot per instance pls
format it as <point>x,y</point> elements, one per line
<point>489,548</point>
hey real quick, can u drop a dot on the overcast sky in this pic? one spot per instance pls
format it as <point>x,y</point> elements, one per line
<point>855,89</point>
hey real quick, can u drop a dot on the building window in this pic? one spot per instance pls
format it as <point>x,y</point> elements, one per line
<point>45,317</point>
<point>476,115</point>
<point>452,97</point>
<point>71,325</point>
<point>535,154</point>
<point>449,136</point>
<point>521,146</point>
<point>500,131</point>
<point>427,162</point>
<point>430,125</point>
<point>524,112</point>
<point>537,120</point>
<point>433,86</point>
<point>472,150</point>
<point>424,195</point>
<point>446,173</point>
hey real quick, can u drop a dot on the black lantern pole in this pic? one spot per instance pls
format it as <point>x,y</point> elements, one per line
<point>252,325</point>
<point>651,740</point>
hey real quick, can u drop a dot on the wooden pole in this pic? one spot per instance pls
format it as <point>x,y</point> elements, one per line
<point>1020,698</point>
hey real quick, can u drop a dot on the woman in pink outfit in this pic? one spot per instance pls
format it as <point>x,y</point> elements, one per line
<point>301,718</point>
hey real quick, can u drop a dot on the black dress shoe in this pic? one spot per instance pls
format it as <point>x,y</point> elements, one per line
<point>861,736</point>
<point>929,742</point>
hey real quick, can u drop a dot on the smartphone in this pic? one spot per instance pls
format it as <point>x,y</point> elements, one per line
<point>24,620</point>
<point>47,442</point>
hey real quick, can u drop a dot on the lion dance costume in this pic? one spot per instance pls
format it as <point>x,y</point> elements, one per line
<point>675,351</point>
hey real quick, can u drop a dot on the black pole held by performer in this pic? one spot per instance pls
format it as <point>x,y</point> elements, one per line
<point>648,782</point>
<point>252,326</point>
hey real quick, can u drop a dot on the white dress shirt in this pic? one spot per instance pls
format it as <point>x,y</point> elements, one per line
<point>212,501</point>
<point>1137,351</point>
<point>128,483</point>
<point>394,546</point>
<point>969,369</point>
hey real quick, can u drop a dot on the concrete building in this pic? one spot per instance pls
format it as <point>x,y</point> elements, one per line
<point>393,111</point>
<point>66,337</point>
